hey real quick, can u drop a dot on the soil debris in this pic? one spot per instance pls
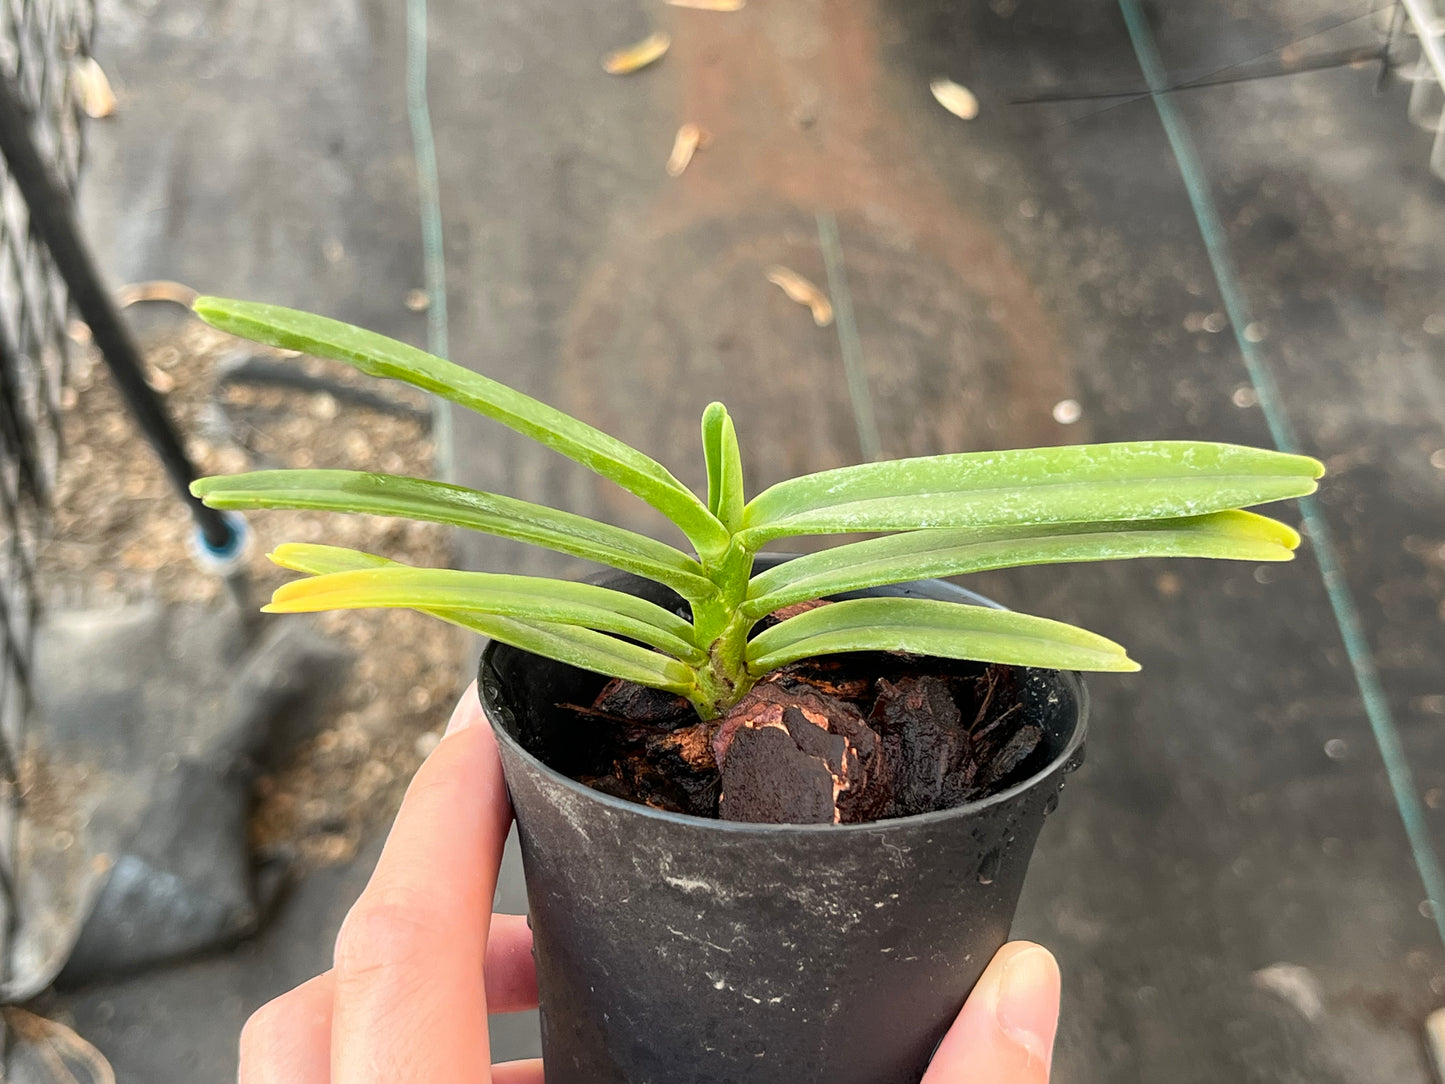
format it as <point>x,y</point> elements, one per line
<point>636,57</point>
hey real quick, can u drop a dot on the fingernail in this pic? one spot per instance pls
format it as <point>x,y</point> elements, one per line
<point>467,712</point>
<point>1028,1001</point>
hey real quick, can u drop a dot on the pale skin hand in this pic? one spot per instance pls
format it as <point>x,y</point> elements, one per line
<point>417,970</point>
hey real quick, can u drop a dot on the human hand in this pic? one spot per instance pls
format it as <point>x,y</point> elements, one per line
<point>421,959</point>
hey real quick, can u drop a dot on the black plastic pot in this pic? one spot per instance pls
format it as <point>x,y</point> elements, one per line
<point>679,950</point>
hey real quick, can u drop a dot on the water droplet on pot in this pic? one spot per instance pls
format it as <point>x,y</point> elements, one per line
<point>1051,803</point>
<point>988,868</point>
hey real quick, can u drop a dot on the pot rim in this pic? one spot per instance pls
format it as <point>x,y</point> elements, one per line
<point>1071,748</point>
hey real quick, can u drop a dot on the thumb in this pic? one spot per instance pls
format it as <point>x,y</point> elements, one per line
<point>1005,1034</point>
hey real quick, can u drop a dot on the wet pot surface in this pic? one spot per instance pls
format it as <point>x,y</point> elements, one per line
<point>677,950</point>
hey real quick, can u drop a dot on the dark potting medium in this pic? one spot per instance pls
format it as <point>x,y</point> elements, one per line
<point>679,950</point>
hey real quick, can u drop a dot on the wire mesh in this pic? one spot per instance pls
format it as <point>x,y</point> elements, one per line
<point>43,43</point>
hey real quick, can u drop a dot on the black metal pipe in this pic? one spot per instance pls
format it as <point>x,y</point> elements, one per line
<point>52,217</point>
<point>17,435</point>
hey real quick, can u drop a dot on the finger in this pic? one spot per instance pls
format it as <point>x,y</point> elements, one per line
<point>293,1032</point>
<point>410,1003</point>
<point>511,971</point>
<point>1005,1034</point>
<point>518,1072</point>
<point>288,1040</point>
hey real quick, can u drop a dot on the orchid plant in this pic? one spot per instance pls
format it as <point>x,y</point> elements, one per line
<point>941,515</point>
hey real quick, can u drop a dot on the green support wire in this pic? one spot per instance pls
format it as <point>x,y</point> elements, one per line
<point>428,185</point>
<point>1342,603</point>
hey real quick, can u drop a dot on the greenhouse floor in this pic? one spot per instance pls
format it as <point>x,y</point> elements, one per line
<point>1228,883</point>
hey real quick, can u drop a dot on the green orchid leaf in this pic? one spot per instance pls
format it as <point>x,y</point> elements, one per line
<point>724,466</point>
<point>587,650</point>
<point>529,598</point>
<point>915,555</point>
<point>939,515</point>
<point>380,356</point>
<point>947,630</point>
<point>593,651</point>
<point>318,560</point>
<point>436,502</point>
<point>1076,484</point>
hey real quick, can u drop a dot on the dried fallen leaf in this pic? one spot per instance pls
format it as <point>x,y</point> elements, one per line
<point>93,88</point>
<point>54,1048</point>
<point>709,5</point>
<point>689,139</point>
<point>803,292</point>
<point>160,380</point>
<point>635,57</point>
<point>958,100</point>
<point>157,290</point>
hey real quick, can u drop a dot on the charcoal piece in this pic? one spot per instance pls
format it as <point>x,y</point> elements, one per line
<point>765,705</point>
<point>830,748</point>
<point>767,779</point>
<point>869,792</point>
<point>1023,742</point>
<point>895,735</point>
<point>923,742</point>
<point>639,704</point>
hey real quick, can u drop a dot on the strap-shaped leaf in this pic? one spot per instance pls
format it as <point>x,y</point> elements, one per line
<point>587,650</point>
<point>1074,484</point>
<point>437,502</point>
<point>378,355</point>
<point>582,648</point>
<point>920,554</point>
<point>948,630</point>
<point>317,560</point>
<point>724,466</point>
<point>529,598</point>
<point>594,651</point>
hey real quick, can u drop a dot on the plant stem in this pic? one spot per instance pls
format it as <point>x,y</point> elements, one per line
<point>722,630</point>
